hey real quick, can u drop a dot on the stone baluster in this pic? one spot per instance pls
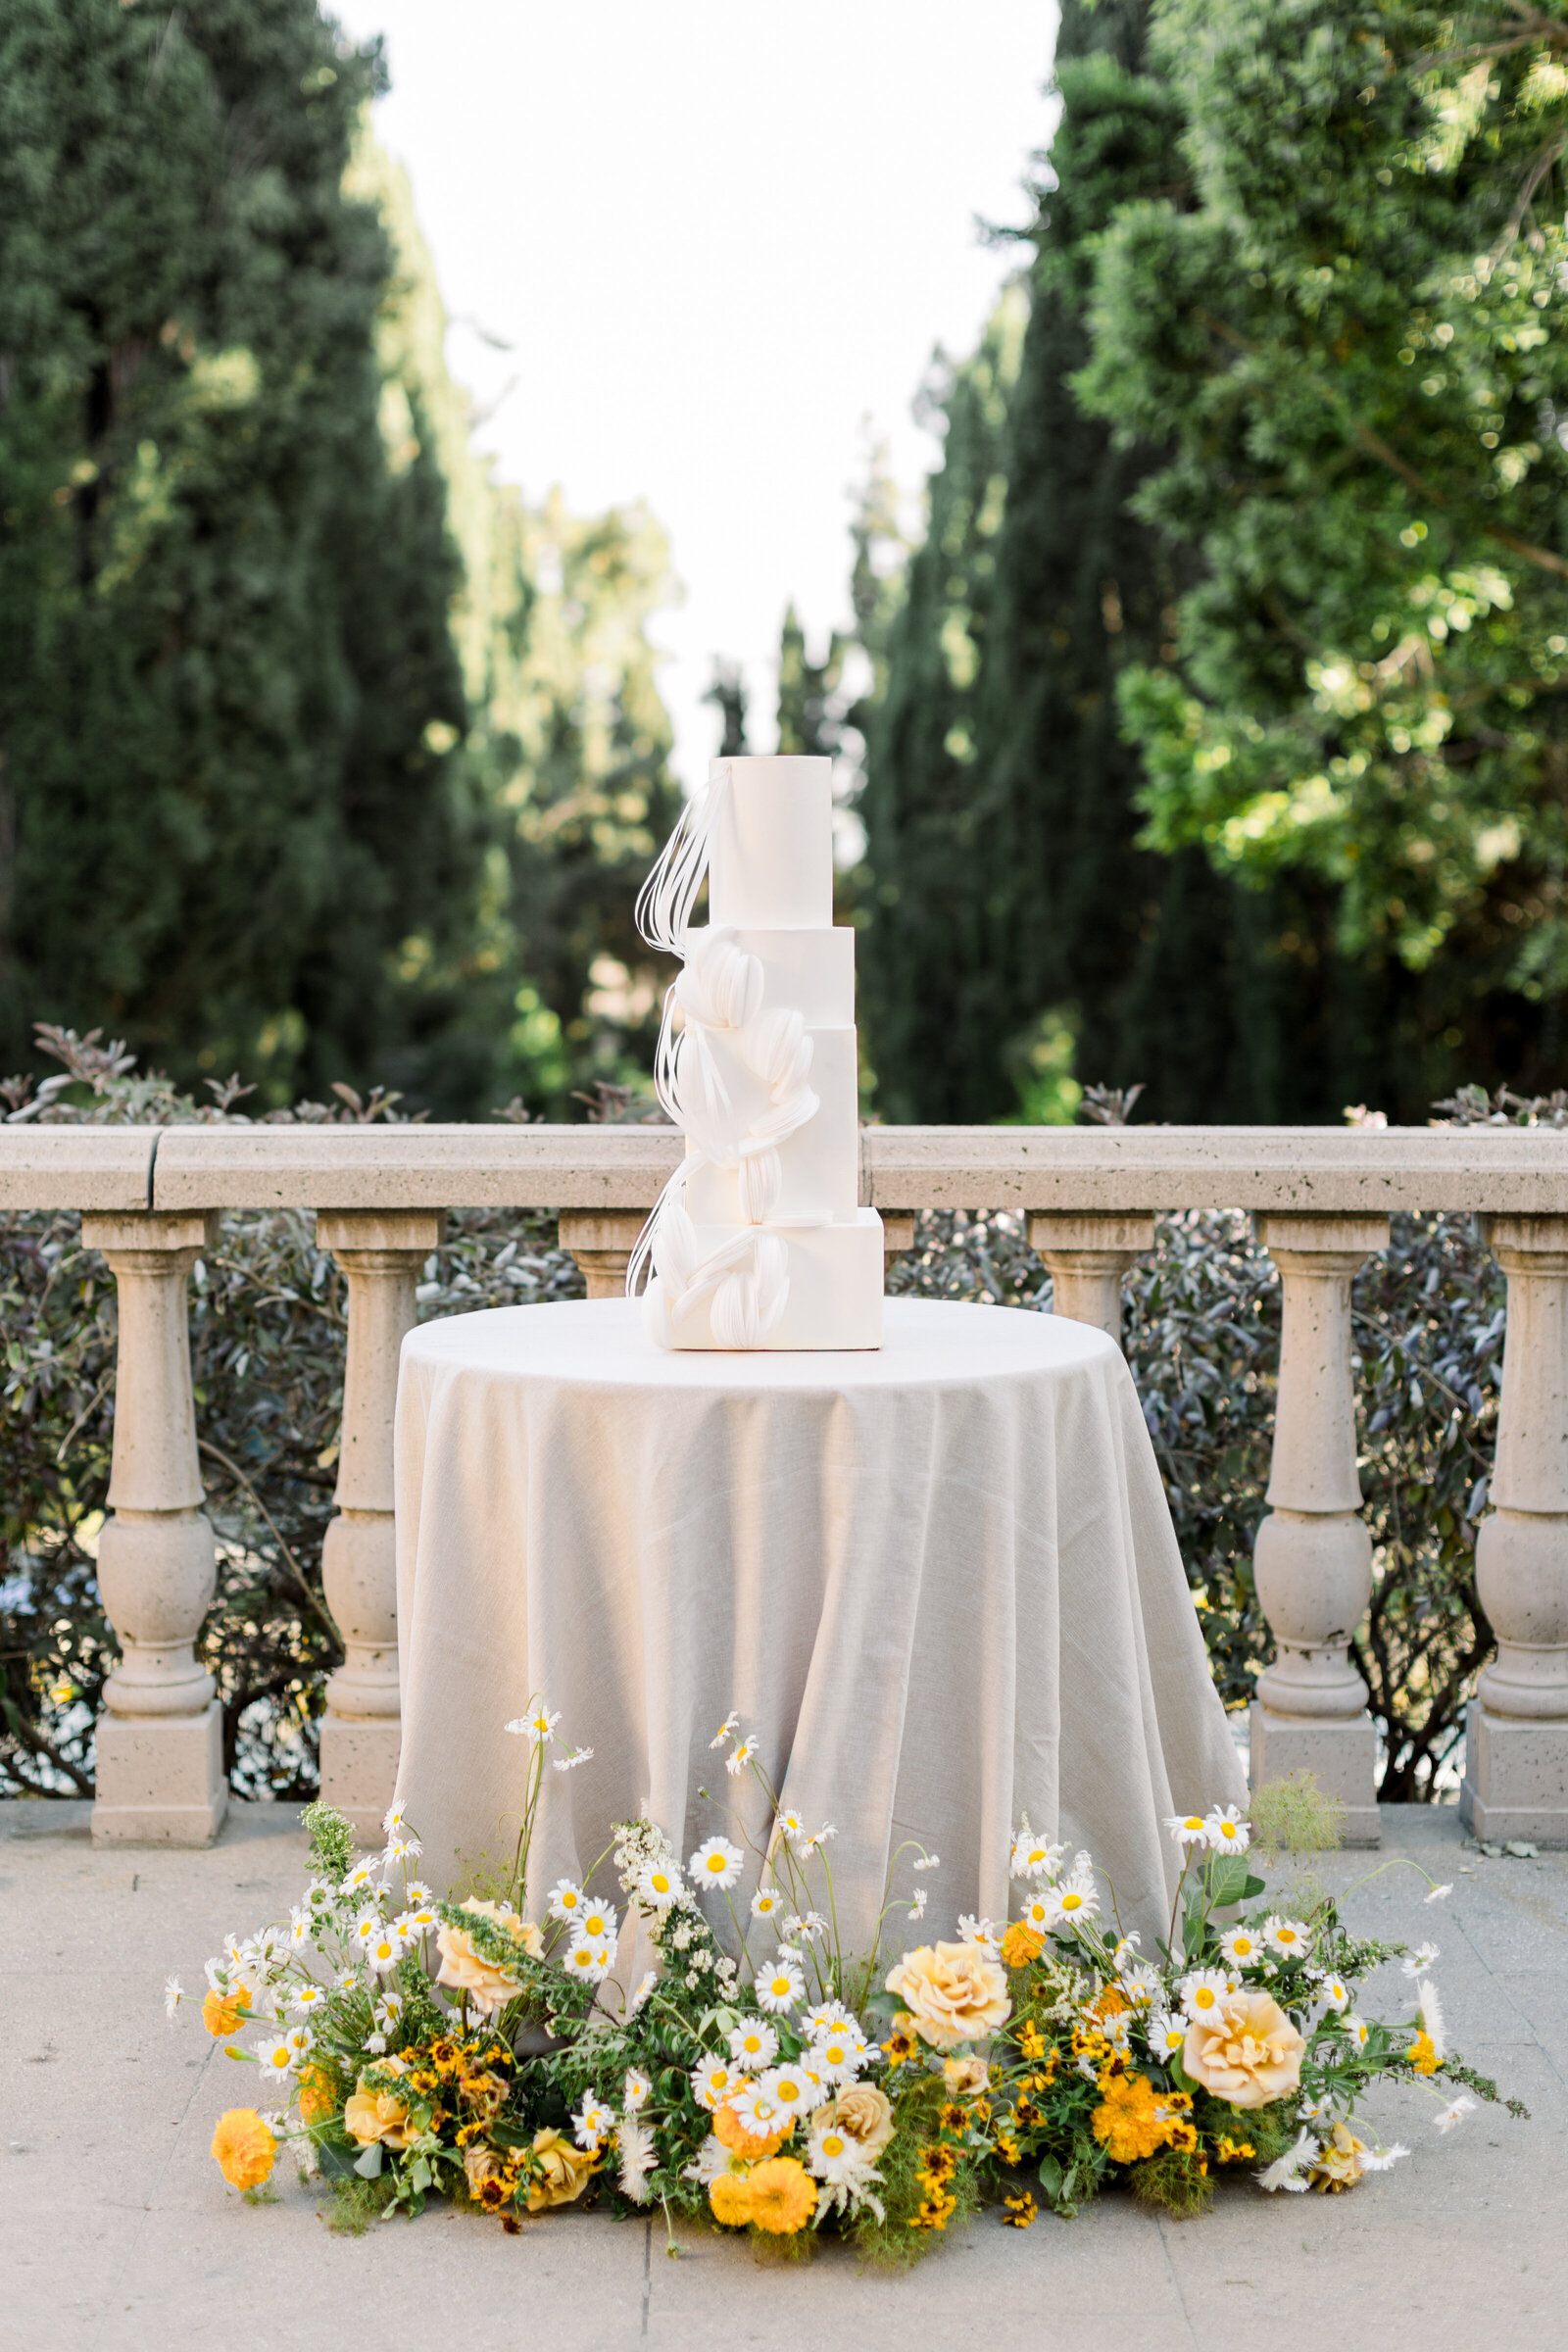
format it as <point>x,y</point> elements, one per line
<point>1516,1745</point>
<point>1088,1259</point>
<point>381,1254</point>
<point>159,1773</point>
<point>898,1237</point>
<point>602,1242</point>
<point>1313,1555</point>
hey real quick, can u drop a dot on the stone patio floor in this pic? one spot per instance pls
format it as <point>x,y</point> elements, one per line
<point>117,2233</point>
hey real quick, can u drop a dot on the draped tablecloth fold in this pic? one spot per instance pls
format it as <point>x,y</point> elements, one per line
<point>939,1582</point>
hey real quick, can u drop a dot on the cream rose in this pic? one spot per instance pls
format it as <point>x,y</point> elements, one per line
<point>567,2172</point>
<point>863,2113</point>
<point>1249,2054</point>
<point>954,1992</point>
<point>372,2115</point>
<point>967,2078</point>
<point>463,1969</point>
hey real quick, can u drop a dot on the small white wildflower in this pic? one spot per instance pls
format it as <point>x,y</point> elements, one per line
<point>376,2042</point>
<point>638,2152</point>
<point>717,1863</point>
<point>752,2045</point>
<point>173,1995</point>
<point>636,2089</point>
<point>592,2123</point>
<point>1187,1829</point>
<point>1455,2111</point>
<point>1437,1895</point>
<point>537,1727</point>
<point>1226,1830</point>
<point>767,1902</point>
<point>1287,1937</point>
<point>1290,2171</point>
<point>724,1730</point>
<point>737,1760</point>
<point>572,1759</point>
<point>1416,1963</point>
<point>779,1988</point>
<point>983,1932</point>
<point>641,1993</point>
<point>927,1862</point>
<point>1431,2018</point>
<point>565,1902</point>
<point>918,1906</point>
<point>660,1883</point>
<point>392,1819</point>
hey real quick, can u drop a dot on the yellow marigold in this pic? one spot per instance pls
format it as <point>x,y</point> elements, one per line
<point>1423,2055</point>
<point>1129,2121</point>
<point>222,2013</point>
<point>1021,1945</point>
<point>1338,2162</point>
<point>318,2095</point>
<point>730,2196</point>
<point>783,2195</point>
<point>244,2147</point>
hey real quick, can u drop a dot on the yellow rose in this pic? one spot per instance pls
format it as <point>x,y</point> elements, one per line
<point>953,1991</point>
<point>1338,2162</point>
<point>1249,2054</point>
<point>567,2172</point>
<point>244,2147</point>
<point>863,2113</point>
<point>487,1987</point>
<point>783,2196</point>
<point>369,2116</point>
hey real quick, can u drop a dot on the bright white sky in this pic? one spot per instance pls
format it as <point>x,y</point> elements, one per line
<point>721,237</point>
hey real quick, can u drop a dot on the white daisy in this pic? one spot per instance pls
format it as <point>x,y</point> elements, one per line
<point>819,1839</point>
<point>1437,1895</point>
<point>1243,1948</point>
<point>833,2156</point>
<point>793,2089</point>
<point>1187,1829</point>
<point>753,2045</point>
<point>641,1993</point>
<point>1381,2160</point>
<point>791,1826</point>
<point>375,2043</point>
<point>403,1849</point>
<point>1142,1985</point>
<point>1287,1937</point>
<point>810,1928</point>
<point>660,1883</point>
<point>1040,1913</point>
<point>636,2089</point>
<point>416,1891</point>
<point>767,1902</point>
<point>572,1759</point>
<point>592,2123</point>
<point>414,1923</point>
<point>780,1987</point>
<point>1334,1994</point>
<point>1455,2111</point>
<point>1416,1963</point>
<point>565,1902</point>
<point>825,2018</point>
<point>1035,1857</point>
<point>303,1998</point>
<point>1357,2030</point>
<point>392,1819</point>
<point>537,1725</point>
<point>301,1924</point>
<point>1076,1901</point>
<point>983,1932</point>
<point>1165,2033</point>
<point>839,2054</point>
<point>713,2081</point>
<point>712,2158</point>
<point>360,1878</point>
<point>717,1863</point>
<point>173,1995</point>
<point>590,1963</point>
<point>366,1928</point>
<point>385,1950</point>
<point>1290,2171</point>
<point>756,2112</point>
<point>347,1980</point>
<point>724,1730</point>
<point>596,1921</point>
<point>737,1760</point>
<point>276,2058</point>
<point>1226,1830</point>
<point>300,2039</point>
<point>1431,2018</point>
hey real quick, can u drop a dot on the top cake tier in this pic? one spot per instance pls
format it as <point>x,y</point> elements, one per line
<point>770,863</point>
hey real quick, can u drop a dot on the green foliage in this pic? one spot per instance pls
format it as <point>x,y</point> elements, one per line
<point>1296,1816</point>
<point>1352,337</point>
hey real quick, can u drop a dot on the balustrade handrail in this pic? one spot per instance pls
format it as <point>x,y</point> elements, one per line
<point>1039,1170</point>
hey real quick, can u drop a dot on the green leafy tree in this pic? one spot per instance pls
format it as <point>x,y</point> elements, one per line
<point>1353,337</point>
<point>230,697</point>
<point>810,710</point>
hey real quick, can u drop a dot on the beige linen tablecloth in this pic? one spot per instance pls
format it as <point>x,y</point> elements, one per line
<point>940,1582</point>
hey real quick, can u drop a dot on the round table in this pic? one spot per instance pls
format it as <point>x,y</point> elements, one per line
<point>939,1582</point>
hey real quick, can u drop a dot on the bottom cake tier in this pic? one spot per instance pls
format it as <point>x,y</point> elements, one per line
<point>835,1297</point>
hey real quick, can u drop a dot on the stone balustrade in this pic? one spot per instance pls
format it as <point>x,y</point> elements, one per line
<point>1321,1199</point>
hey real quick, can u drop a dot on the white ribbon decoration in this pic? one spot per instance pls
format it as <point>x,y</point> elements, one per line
<point>720,990</point>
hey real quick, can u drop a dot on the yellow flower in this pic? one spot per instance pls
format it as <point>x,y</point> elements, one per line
<point>1129,2121</point>
<point>965,2078</point>
<point>1021,2210</point>
<point>369,2116</point>
<point>1423,2055</point>
<point>783,2195</point>
<point>1235,2151</point>
<point>1019,1945</point>
<point>318,2095</point>
<point>734,2136</point>
<point>244,2147</point>
<point>863,2113</point>
<point>1338,2164</point>
<point>730,2196</point>
<point>566,2171</point>
<point>955,1993</point>
<point>1249,2054</point>
<point>488,1986</point>
<point>222,2013</point>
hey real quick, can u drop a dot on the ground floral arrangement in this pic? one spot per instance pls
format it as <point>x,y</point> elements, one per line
<point>412,2046</point>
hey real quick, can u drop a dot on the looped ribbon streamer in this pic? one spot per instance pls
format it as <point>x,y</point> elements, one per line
<point>718,989</point>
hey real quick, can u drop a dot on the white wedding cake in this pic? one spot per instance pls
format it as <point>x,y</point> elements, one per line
<point>758,1240</point>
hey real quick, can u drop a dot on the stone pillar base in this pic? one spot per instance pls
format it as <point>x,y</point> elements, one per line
<point>1343,1755</point>
<point>359,1770</point>
<point>1515,1779</point>
<point>159,1779</point>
